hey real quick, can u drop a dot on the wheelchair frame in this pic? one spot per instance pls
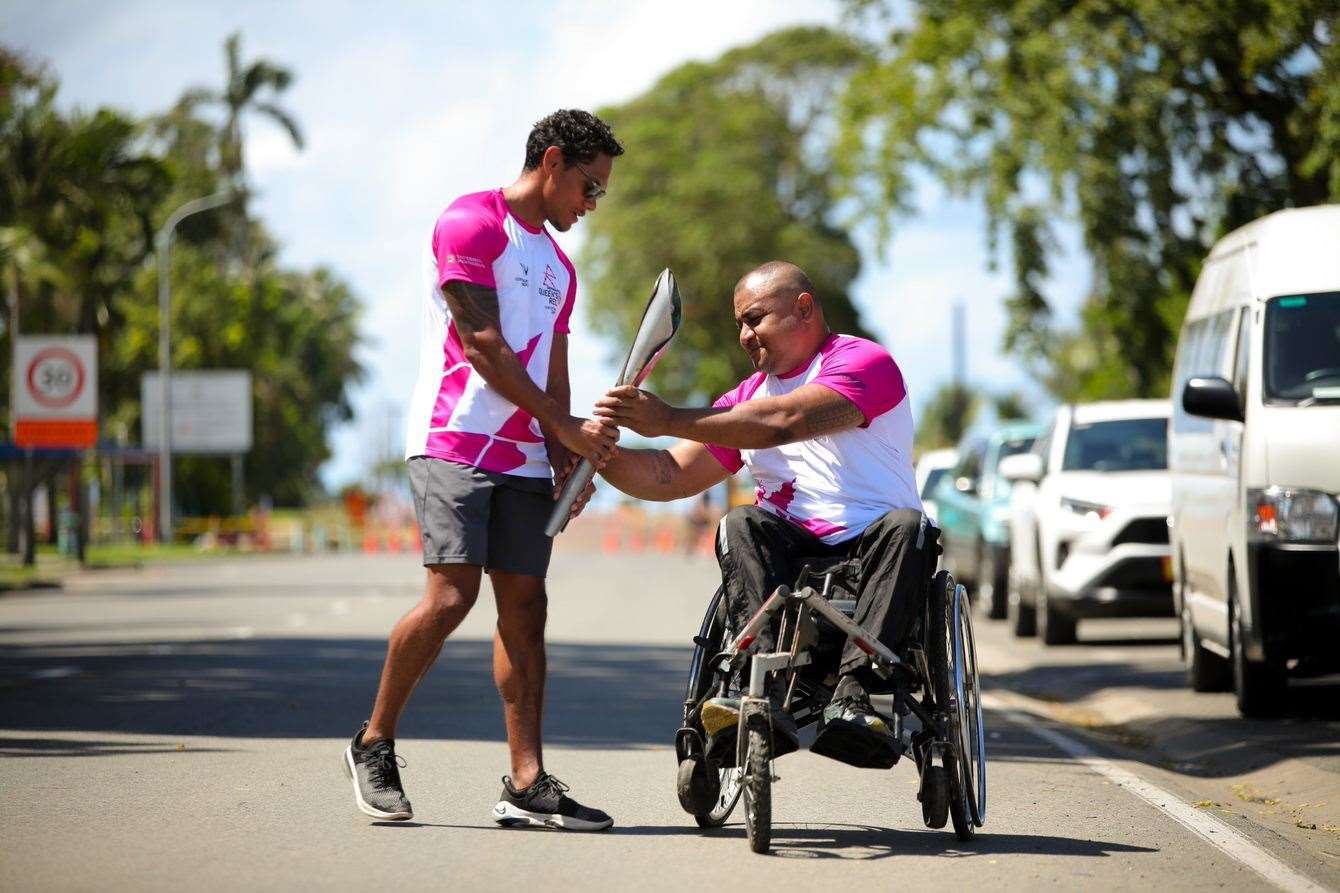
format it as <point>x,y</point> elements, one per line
<point>949,748</point>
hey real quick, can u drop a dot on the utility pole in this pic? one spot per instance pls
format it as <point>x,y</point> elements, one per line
<point>163,241</point>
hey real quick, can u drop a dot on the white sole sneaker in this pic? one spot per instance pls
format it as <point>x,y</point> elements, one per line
<point>511,816</point>
<point>365,806</point>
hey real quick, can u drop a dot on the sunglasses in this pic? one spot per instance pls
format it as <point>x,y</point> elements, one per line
<point>594,191</point>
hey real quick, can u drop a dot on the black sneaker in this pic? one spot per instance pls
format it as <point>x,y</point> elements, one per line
<point>545,804</point>
<point>375,771</point>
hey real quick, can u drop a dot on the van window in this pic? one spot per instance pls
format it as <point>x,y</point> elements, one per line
<point>1302,349</point>
<point>1117,445</point>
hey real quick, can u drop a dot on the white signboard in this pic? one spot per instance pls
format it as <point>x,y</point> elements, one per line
<point>55,391</point>
<point>211,411</point>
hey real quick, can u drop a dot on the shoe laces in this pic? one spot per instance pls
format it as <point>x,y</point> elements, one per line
<point>547,784</point>
<point>384,766</point>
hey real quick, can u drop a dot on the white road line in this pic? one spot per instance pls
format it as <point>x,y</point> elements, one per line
<point>1214,831</point>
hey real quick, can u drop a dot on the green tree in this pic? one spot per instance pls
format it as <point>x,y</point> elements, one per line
<point>81,195</point>
<point>726,168</point>
<point>947,416</point>
<point>1157,126</point>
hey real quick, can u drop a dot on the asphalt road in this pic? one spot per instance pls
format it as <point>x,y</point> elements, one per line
<point>182,726</point>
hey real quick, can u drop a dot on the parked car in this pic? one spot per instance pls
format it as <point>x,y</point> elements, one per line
<point>1255,457</point>
<point>932,468</point>
<point>1092,541</point>
<point>973,503</point>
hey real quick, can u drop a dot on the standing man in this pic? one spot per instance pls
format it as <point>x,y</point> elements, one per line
<point>489,429</point>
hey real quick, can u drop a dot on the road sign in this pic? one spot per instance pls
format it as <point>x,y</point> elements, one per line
<point>211,411</point>
<point>56,391</point>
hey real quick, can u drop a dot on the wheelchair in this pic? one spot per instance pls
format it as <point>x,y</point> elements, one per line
<point>935,708</point>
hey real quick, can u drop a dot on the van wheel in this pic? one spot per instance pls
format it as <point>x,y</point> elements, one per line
<point>1261,688</point>
<point>1205,670</point>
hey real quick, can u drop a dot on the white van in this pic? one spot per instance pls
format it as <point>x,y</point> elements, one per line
<point>1254,451</point>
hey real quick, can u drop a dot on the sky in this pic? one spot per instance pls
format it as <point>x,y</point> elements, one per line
<point>407,105</point>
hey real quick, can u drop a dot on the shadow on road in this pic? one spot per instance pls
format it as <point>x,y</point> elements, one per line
<point>852,842</point>
<point>597,695</point>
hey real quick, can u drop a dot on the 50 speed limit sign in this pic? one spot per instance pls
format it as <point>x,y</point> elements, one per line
<point>56,391</point>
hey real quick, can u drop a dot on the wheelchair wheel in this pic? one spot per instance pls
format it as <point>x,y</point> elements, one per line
<point>968,808</point>
<point>758,788</point>
<point>947,650</point>
<point>712,636</point>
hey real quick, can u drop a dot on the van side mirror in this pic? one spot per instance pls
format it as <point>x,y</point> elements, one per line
<point>1211,397</point>
<point>1021,467</point>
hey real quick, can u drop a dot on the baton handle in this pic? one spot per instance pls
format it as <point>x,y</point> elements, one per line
<point>576,483</point>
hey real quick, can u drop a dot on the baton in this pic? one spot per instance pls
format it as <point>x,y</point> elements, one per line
<point>660,321</point>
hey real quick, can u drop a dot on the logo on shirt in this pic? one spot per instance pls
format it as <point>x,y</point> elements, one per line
<point>464,260</point>
<point>549,288</point>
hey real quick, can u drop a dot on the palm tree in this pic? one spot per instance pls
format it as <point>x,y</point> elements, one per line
<point>249,88</point>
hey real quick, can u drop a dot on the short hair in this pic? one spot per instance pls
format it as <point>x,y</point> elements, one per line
<point>579,134</point>
<point>782,276</point>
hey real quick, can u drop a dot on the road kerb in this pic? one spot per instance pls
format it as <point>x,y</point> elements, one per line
<point>1212,830</point>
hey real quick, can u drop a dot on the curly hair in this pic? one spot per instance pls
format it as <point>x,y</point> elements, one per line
<point>579,134</point>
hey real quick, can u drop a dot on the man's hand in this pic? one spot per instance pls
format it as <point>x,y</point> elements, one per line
<point>584,497</point>
<point>591,439</point>
<point>644,413</point>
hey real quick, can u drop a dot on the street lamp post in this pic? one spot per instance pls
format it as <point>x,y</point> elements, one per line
<point>163,241</point>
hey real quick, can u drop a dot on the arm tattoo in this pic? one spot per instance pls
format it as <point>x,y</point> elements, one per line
<point>833,416</point>
<point>664,467</point>
<point>473,307</point>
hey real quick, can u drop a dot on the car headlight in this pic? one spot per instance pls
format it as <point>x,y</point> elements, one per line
<point>1095,511</point>
<point>1295,516</point>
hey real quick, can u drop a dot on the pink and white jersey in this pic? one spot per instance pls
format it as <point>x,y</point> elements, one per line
<point>836,485</point>
<point>454,414</point>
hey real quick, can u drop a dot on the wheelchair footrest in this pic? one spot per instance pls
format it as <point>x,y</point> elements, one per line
<point>857,746</point>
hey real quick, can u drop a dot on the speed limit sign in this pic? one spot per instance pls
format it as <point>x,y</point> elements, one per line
<point>56,391</point>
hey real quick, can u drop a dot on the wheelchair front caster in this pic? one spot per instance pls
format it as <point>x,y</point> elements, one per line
<point>934,796</point>
<point>758,786</point>
<point>697,785</point>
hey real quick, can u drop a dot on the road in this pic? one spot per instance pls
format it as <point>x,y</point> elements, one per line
<point>183,725</point>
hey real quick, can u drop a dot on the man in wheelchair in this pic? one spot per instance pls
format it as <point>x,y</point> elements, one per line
<point>825,427</point>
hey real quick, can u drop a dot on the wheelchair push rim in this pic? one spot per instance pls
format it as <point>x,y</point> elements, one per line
<point>971,728</point>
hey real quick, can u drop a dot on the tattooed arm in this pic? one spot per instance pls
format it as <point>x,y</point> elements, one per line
<point>474,309</point>
<point>683,470</point>
<point>809,411</point>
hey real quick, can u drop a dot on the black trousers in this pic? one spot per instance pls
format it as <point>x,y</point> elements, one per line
<point>759,551</point>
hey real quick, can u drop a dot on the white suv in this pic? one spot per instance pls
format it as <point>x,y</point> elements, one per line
<point>1090,538</point>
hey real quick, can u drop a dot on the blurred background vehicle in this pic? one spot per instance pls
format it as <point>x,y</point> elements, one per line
<point>1255,459</point>
<point>974,504</point>
<point>932,468</point>
<point>1095,542</point>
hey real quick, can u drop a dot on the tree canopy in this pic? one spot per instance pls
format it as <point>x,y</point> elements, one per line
<point>1157,126</point>
<point>81,196</point>
<point>727,167</point>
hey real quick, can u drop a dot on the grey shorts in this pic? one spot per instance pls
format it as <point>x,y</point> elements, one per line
<point>469,516</point>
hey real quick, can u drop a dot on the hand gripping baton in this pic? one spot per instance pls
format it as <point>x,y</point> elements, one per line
<point>660,321</point>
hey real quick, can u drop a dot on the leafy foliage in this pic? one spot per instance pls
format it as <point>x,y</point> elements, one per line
<point>727,167</point>
<point>81,196</point>
<point>1159,126</point>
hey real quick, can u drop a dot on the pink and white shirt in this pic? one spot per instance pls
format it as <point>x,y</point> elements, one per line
<point>838,484</point>
<point>454,414</point>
